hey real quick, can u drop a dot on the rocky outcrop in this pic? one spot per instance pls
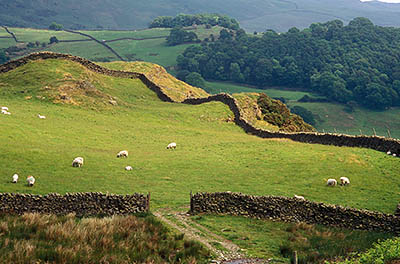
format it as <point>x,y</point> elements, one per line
<point>293,210</point>
<point>373,142</point>
<point>82,204</point>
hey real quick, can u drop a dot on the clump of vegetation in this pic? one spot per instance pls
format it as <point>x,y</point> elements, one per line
<point>183,20</point>
<point>314,244</point>
<point>307,115</point>
<point>387,251</point>
<point>276,113</point>
<point>119,239</point>
<point>179,36</point>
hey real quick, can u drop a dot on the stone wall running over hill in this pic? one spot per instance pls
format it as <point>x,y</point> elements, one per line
<point>82,204</point>
<point>373,142</point>
<point>293,210</point>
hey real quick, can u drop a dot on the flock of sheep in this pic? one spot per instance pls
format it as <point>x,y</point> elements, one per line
<point>78,162</point>
<point>333,182</point>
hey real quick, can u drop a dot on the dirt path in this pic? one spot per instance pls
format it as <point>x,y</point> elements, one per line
<point>225,250</point>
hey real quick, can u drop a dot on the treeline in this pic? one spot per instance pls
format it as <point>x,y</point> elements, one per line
<point>357,63</point>
<point>183,20</point>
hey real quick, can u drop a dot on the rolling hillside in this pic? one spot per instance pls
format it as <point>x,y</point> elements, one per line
<point>95,115</point>
<point>253,15</point>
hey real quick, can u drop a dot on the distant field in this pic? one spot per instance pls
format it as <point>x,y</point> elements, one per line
<point>90,50</point>
<point>154,51</point>
<point>42,35</point>
<point>148,33</point>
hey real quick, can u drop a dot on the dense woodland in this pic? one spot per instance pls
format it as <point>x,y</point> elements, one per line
<point>183,20</point>
<point>357,63</point>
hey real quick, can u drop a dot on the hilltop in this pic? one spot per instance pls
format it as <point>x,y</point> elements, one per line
<point>255,15</point>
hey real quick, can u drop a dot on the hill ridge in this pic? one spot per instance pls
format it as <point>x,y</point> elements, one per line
<point>373,142</point>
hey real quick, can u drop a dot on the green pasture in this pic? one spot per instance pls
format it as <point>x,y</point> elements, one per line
<point>212,154</point>
<point>115,34</point>
<point>154,50</point>
<point>42,35</point>
<point>88,49</point>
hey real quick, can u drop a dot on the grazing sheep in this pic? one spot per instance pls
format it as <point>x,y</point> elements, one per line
<point>122,153</point>
<point>171,145</point>
<point>331,182</point>
<point>128,168</point>
<point>389,153</point>
<point>344,181</point>
<point>41,116</point>
<point>15,178</point>
<point>30,180</point>
<point>394,154</point>
<point>5,108</point>
<point>4,112</point>
<point>299,197</point>
<point>78,162</point>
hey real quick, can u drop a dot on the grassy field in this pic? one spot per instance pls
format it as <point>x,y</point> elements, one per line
<point>212,154</point>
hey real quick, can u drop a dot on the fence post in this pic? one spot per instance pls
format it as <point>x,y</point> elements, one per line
<point>388,131</point>
<point>360,132</point>
<point>335,130</point>
<point>374,131</point>
<point>295,260</point>
<point>191,203</point>
<point>148,202</point>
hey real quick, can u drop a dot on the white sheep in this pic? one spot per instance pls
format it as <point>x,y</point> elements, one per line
<point>299,197</point>
<point>171,145</point>
<point>344,181</point>
<point>5,108</point>
<point>394,154</point>
<point>41,116</point>
<point>78,162</point>
<point>15,178</point>
<point>331,182</point>
<point>389,153</point>
<point>4,112</point>
<point>128,168</point>
<point>122,153</point>
<point>30,180</point>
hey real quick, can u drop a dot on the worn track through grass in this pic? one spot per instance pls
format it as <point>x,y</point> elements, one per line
<point>180,220</point>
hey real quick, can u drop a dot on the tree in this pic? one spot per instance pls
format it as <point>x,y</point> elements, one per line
<point>307,115</point>
<point>3,57</point>
<point>55,26</point>
<point>179,36</point>
<point>53,39</point>
<point>195,79</point>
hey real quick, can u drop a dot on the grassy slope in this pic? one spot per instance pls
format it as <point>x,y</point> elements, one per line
<point>212,154</point>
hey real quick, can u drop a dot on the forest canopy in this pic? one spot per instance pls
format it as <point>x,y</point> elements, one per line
<point>358,62</point>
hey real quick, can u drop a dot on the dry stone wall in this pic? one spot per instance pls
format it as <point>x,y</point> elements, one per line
<point>292,210</point>
<point>373,142</point>
<point>82,204</point>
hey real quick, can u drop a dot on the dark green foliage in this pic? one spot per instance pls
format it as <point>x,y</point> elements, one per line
<point>314,244</point>
<point>55,26</point>
<point>3,57</point>
<point>183,20</point>
<point>195,79</point>
<point>53,40</point>
<point>179,36</point>
<point>307,116</point>
<point>359,62</point>
<point>276,113</point>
